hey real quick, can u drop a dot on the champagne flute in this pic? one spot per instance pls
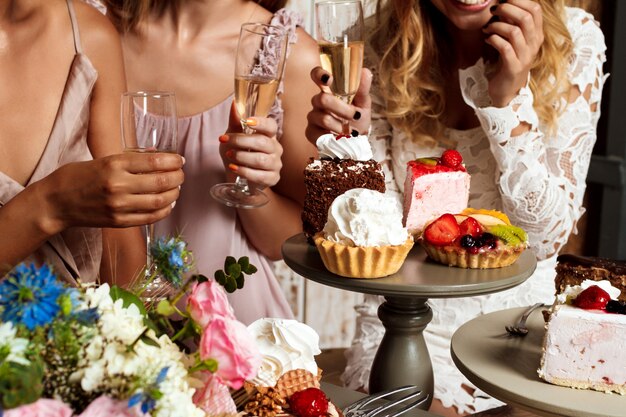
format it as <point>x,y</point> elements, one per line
<point>149,125</point>
<point>258,71</point>
<point>340,36</point>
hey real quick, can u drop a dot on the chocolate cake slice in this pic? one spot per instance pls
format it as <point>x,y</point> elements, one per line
<point>325,179</point>
<point>573,269</point>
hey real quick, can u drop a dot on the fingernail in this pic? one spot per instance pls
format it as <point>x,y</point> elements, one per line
<point>354,133</point>
<point>325,78</point>
<point>502,1</point>
<point>493,8</point>
<point>173,204</point>
<point>233,167</point>
<point>224,138</point>
<point>357,115</point>
<point>230,153</point>
<point>251,122</point>
<point>184,160</point>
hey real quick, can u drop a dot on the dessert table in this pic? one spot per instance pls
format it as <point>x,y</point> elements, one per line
<point>506,367</point>
<point>402,357</point>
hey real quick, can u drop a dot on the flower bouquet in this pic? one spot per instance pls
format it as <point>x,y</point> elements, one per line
<point>103,351</point>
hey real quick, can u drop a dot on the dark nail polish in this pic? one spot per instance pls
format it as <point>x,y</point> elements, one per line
<point>357,115</point>
<point>502,1</point>
<point>493,8</point>
<point>355,133</point>
<point>325,78</point>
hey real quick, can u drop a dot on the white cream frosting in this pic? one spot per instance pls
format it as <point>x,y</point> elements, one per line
<point>357,148</point>
<point>362,217</point>
<point>285,345</point>
<point>571,291</point>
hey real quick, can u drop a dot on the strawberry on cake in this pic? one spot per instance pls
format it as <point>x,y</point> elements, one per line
<point>434,186</point>
<point>475,238</point>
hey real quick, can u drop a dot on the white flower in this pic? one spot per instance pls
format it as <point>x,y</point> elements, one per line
<point>13,347</point>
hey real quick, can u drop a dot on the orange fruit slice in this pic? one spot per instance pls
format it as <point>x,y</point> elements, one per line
<point>493,213</point>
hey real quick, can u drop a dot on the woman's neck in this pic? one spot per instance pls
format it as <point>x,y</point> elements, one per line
<point>469,46</point>
<point>188,19</point>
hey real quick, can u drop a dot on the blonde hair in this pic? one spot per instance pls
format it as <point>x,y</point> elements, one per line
<point>410,39</point>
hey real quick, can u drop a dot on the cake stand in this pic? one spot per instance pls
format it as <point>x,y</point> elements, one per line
<point>506,367</point>
<point>402,357</point>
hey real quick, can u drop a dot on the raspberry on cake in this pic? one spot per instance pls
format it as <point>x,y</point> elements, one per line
<point>344,163</point>
<point>584,339</point>
<point>364,236</point>
<point>434,186</point>
<point>474,239</point>
<point>573,269</point>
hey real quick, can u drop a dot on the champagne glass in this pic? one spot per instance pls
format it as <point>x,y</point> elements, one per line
<point>340,36</point>
<point>258,71</point>
<point>149,125</point>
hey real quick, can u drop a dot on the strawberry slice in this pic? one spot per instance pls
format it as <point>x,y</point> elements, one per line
<point>593,298</point>
<point>451,158</point>
<point>443,231</point>
<point>470,226</point>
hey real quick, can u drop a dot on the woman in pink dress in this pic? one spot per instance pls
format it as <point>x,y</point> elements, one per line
<point>189,48</point>
<point>62,77</point>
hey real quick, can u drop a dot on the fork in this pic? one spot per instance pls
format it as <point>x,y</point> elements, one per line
<point>519,328</point>
<point>363,407</point>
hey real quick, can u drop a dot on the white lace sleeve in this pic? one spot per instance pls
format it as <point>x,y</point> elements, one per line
<point>542,175</point>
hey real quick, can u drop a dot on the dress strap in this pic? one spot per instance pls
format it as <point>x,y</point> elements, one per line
<point>70,8</point>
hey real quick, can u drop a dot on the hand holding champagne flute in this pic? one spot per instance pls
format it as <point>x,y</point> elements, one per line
<point>149,125</point>
<point>340,35</point>
<point>259,68</point>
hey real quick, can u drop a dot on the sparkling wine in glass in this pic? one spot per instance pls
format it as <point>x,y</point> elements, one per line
<point>149,125</point>
<point>340,36</point>
<point>258,71</point>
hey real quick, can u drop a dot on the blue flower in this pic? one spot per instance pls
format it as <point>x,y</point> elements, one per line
<point>171,259</point>
<point>29,296</point>
<point>149,396</point>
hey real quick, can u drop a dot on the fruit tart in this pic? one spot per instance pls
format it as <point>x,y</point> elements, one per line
<point>475,238</point>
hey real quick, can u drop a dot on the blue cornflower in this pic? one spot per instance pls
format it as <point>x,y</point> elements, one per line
<point>171,259</point>
<point>149,396</point>
<point>29,295</point>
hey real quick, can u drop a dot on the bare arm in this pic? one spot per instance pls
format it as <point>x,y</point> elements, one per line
<point>269,226</point>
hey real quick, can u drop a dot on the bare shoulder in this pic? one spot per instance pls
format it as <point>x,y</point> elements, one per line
<point>304,55</point>
<point>98,35</point>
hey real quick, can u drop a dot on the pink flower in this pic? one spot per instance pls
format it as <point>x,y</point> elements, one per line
<point>104,406</point>
<point>43,407</point>
<point>234,349</point>
<point>207,300</point>
<point>214,397</point>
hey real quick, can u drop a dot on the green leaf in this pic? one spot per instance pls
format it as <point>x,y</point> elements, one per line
<point>234,270</point>
<point>149,341</point>
<point>201,278</point>
<point>220,277</point>
<point>127,298</point>
<point>165,308</point>
<point>228,262</point>
<point>230,285</point>
<point>244,261</point>
<point>205,365</point>
<point>251,269</point>
<point>240,281</point>
<point>65,302</point>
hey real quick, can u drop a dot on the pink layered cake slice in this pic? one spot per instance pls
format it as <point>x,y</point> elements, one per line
<point>434,186</point>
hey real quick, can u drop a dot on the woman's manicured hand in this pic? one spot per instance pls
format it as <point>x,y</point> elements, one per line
<point>328,110</point>
<point>517,35</point>
<point>256,156</point>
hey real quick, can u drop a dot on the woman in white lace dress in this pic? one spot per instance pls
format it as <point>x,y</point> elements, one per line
<point>515,87</point>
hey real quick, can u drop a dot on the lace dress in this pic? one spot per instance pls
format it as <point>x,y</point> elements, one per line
<point>537,178</point>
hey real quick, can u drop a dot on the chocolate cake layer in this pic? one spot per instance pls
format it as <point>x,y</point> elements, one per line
<point>573,269</point>
<point>326,179</point>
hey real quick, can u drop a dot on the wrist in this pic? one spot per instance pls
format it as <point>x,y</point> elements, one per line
<point>48,220</point>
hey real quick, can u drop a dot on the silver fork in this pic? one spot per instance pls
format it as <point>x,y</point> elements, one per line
<point>364,407</point>
<point>519,328</point>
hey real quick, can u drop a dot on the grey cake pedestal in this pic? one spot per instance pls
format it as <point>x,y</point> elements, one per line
<point>402,357</point>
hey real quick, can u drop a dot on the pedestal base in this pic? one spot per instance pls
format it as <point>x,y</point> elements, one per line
<point>402,357</point>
